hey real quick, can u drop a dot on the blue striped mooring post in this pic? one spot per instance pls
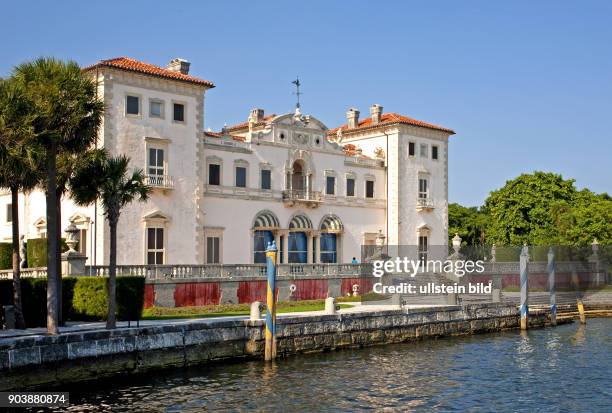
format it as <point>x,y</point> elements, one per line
<point>524,308</point>
<point>551,286</point>
<point>270,346</point>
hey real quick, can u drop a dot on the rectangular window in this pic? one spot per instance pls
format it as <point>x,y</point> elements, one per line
<point>83,241</point>
<point>423,150</point>
<point>9,213</point>
<point>214,174</point>
<point>434,153</point>
<point>155,109</point>
<point>212,250</point>
<point>156,162</point>
<point>179,112</point>
<point>132,105</point>
<point>423,190</point>
<point>330,185</point>
<point>155,246</point>
<point>241,176</point>
<point>350,186</point>
<point>411,148</point>
<point>423,247</point>
<point>266,179</point>
<point>369,189</point>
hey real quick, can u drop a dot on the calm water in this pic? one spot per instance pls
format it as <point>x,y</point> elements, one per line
<point>565,369</point>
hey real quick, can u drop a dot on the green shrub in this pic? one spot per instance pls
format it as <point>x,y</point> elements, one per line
<point>6,255</point>
<point>6,292</point>
<point>84,298</point>
<point>34,301</point>
<point>37,251</point>
<point>89,299</point>
<point>130,298</point>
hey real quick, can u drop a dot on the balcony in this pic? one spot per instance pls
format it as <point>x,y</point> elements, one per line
<point>298,196</point>
<point>159,181</point>
<point>425,204</point>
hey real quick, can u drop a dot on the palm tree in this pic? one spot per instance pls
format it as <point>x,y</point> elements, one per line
<point>107,180</point>
<point>18,168</point>
<point>69,115</point>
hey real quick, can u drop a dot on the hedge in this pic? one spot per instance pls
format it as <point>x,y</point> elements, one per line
<point>84,298</point>
<point>6,255</point>
<point>36,251</point>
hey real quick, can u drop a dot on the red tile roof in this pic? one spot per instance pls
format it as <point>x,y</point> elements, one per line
<point>245,125</point>
<point>221,135</point>
<point>390,119</point>
<point>132,65</point>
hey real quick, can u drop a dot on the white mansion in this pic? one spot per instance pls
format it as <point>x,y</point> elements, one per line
<point>219,197</point>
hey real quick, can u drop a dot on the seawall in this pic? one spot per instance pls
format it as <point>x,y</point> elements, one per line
<point>34,361</point>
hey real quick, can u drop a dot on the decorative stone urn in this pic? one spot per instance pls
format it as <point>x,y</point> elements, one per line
<point>73,262</point>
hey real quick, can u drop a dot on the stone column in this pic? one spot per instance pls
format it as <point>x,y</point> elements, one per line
<point>286,247</point>
<point>307,185</point>
<point>277,241</point>
<point>318,249</point>
<point>309,238</point>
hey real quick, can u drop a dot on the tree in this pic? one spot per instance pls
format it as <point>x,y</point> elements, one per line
<point>18,168</point>
<point>521,211</point>
<point>108,180</point>
<point>468,222</point>
<point>587,218</point>
<point>69,114</point>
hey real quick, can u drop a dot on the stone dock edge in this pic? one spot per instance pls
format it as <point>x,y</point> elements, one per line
<point>29,362</point>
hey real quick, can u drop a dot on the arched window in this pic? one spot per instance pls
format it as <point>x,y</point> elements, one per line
<point>264,226</point>
<point>261,239</point>
<point>298,241</point>
<point>331,227</point>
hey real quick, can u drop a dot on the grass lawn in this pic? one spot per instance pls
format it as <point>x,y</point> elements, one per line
<point>224,310</point>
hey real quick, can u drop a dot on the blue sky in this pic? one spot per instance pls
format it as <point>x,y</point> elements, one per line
<point>526,85</point>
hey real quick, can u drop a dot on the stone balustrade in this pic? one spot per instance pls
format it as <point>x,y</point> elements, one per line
<point>231,271</point>
<point>39,272</point>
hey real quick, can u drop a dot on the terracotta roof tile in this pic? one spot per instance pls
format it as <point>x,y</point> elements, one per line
<point>132,65</point>
<point>222,135</point>
<point>245,125</point>
<point>390,119</point>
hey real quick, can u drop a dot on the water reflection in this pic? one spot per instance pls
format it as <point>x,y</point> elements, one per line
<point>563,369</point>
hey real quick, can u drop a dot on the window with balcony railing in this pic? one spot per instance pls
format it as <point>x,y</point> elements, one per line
<point>156,169</point>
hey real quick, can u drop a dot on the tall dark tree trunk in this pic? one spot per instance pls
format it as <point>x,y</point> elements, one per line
<point>19,321</point>
<point>60,301</point>
<point>52,246</point>
<point>112,273</point>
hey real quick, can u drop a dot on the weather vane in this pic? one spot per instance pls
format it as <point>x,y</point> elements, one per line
<point>297,84</point>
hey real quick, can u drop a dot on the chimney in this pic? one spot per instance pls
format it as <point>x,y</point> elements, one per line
<point>179,65</point>
<point>256,115</point>
<point>352,117</point>
<point>376,113</point>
